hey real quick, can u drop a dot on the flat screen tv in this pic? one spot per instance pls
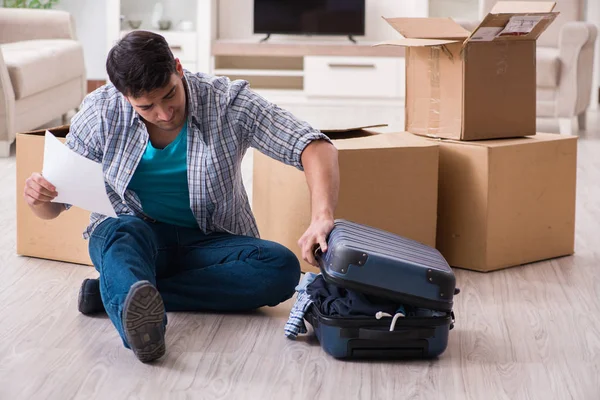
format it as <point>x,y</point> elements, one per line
<point>309,17</point>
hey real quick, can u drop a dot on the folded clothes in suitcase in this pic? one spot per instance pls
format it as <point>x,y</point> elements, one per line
<point>366,269</point>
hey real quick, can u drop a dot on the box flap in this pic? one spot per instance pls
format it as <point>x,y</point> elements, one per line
<point>382,141</point>
<point>416,42</point>
<point>512,26</point>
<point>511,7</point>
<point>428,28</point>
<point>59,131</point>
<point>337,127</point>
<point>337,131</point>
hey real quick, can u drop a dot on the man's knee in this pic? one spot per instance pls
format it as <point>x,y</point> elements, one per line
<point>126,230</point>
<point>124,225</point>
<point>284,271</point>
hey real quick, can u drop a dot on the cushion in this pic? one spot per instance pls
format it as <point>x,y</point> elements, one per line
<point>548,67</point>
<point>37,65</point>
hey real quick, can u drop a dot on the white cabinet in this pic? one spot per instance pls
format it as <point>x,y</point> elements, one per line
<point>375,77</point>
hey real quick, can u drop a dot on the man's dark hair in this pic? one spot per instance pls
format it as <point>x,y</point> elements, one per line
<point>139,63</point>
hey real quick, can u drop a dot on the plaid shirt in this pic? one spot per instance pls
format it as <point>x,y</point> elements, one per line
<point>225,118</point>
<point>295,323</point>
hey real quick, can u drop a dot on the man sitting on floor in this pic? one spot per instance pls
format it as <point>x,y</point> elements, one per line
<point>171,145</point>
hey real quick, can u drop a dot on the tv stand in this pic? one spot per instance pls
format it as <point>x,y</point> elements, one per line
<point>265,38</point>
<point>352,39</point>
<point>305,70</point>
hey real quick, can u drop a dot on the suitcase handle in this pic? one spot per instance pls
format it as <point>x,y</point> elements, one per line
<point>317,251</point>
<point>381,334</point>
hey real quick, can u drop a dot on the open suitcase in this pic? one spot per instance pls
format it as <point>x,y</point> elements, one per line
<point>379,263</point>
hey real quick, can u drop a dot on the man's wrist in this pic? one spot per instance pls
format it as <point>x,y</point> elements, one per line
<point>323,215</point>
<point>47,210</point>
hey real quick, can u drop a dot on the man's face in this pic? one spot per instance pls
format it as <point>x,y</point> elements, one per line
<point>165,106</point>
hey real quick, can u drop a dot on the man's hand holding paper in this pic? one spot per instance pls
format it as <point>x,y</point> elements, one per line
<point>67,178</point>
<point>38,190</point>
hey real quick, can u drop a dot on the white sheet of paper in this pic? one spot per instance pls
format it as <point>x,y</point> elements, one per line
<point>78,180</point>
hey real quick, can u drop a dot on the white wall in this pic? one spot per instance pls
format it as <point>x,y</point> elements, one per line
<point>238,24</point>
<point>90,25</point>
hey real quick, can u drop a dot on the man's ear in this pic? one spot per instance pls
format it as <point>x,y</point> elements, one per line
<point>179,68</point>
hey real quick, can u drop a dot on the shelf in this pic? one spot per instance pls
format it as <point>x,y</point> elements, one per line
<point>300,49</point>
<point>258,72</point>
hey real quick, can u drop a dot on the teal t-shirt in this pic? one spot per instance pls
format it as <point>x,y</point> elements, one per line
<point>160,181</point>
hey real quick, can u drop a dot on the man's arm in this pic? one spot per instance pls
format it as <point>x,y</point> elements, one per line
<point>267,127</point>
<point>283,137</point>
<point>320,161</point>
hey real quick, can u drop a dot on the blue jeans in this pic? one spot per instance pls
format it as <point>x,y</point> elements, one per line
<point>192,271</point>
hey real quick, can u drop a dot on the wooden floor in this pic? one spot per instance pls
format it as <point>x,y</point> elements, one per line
<point>531,332</point>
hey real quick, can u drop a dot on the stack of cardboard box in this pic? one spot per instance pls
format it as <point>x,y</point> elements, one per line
<point>506,194</point>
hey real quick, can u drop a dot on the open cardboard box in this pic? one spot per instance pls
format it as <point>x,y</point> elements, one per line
<point>60,239</point>
<point>387,180</point>
<point>471,86</point>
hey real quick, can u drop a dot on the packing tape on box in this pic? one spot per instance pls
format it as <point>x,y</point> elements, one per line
<point>434,119</point>
<point>433,125</point>
<point>502,64</point>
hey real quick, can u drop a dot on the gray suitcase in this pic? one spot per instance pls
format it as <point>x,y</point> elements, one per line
<point>382,264</point>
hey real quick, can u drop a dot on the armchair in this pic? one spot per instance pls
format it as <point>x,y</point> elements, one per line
<point>42,70</point>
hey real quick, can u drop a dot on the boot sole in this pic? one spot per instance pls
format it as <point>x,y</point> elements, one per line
<point>143,318</point>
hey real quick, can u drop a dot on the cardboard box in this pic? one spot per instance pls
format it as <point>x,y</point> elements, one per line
<point>59,239</point>
<point>472,86</point>
<point>506,202</point>
<point>387,180</point>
